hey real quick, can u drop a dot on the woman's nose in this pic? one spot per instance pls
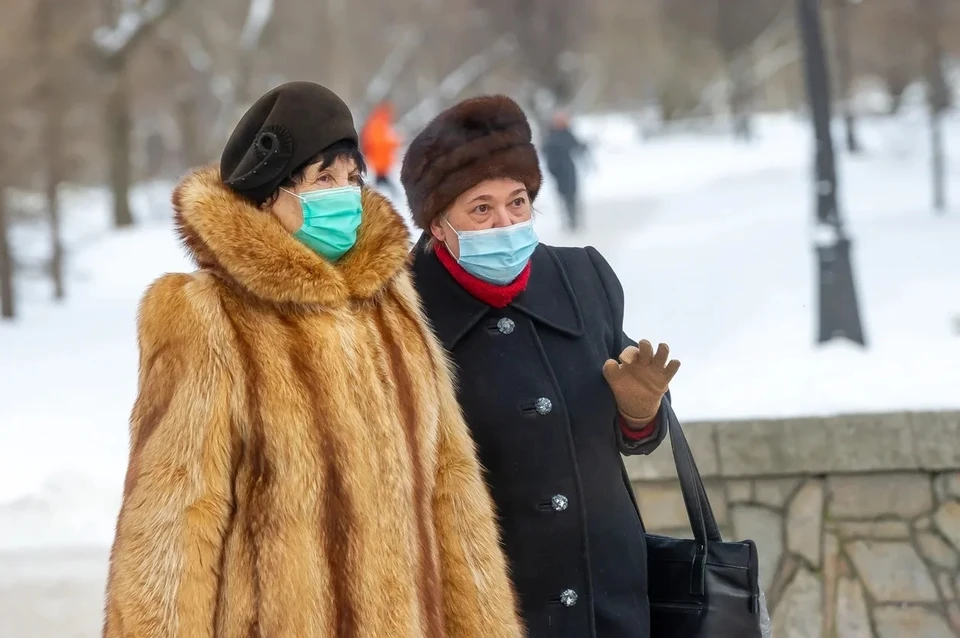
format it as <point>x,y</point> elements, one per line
<point>502,218</point>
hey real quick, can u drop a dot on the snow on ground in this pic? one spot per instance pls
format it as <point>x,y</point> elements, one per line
<point>710,237</point>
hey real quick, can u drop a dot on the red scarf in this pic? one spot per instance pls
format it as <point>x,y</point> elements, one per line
<point>491,294</point>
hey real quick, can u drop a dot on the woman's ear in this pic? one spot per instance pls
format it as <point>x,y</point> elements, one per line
<point>286,208</point>
<point>436,229</point>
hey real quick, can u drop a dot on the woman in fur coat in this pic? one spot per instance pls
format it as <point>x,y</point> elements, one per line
<point>551,387</point>
<point>299,466</point>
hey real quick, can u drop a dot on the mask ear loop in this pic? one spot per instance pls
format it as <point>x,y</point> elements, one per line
<point>455,232</point>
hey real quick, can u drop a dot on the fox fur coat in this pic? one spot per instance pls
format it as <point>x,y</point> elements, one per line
<point>299,466</point>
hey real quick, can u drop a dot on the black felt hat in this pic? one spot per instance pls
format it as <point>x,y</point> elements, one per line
<point>283,130</point>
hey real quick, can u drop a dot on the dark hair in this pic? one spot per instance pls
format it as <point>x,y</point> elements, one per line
<point>344,149</point>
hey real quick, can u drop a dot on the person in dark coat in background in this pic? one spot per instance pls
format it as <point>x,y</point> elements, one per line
<point>562,148</point>
<point>552,389</point>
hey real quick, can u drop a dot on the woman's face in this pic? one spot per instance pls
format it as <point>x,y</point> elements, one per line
<point>342,172</point>
<point>495,203</point>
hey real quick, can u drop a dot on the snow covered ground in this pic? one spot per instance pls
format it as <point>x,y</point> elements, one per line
<point>711,239</point>
<point>721,266</point>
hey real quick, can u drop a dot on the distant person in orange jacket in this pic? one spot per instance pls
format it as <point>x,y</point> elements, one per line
<point>379,142</point>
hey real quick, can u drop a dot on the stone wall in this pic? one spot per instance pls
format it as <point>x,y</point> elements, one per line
<point>857,518</point>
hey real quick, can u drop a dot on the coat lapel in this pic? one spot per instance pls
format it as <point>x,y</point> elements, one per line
<point>548,300</point>
<point>450,309</point>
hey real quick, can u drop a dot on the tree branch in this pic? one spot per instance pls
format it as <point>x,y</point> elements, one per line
<point>233,91</point>
<point>767,48</point>
<point>259,15</point>
<point>383,81</point>
<point>134,22</point>
<point>472,69</point>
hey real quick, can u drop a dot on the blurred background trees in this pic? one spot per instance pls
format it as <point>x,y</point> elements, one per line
<point>115,92</point>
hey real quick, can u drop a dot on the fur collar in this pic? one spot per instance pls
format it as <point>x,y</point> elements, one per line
<point>229,235</point>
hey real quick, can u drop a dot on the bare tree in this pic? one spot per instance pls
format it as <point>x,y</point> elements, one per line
<point>772,53</point>
<point>383,82</point>
<point>187,49</point>
<point>457,81</point>
<point>18,85</point>
<point>886,46</point>
<point>733,26</point>
<point>844,55</point>
<point>233,89</point>
<point>547,32</point>
<point>337,19</point>
<point>114,46</point>
<point>938,96</point>
<point>7,300</point>
<point>52,140</point>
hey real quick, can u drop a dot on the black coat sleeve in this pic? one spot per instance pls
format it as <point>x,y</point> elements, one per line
<point>614,293</point>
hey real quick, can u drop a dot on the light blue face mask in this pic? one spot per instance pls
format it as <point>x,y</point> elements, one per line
<point>497,255</point>
<point>331,218</point>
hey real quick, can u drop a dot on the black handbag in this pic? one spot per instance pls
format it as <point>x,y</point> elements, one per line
<point>704,587</point>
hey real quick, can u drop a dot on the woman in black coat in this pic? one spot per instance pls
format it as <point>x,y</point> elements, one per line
<point>552,389</point>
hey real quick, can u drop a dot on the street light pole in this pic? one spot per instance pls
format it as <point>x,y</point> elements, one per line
<point>839,311</point>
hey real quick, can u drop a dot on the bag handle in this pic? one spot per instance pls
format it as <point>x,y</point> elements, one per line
<point>699,512</point>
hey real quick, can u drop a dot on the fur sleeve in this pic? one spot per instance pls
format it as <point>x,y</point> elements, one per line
<point>177,500</point>
<point>478,596</point>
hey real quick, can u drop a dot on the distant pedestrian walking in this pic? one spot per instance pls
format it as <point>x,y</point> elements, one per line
<point>379,142</point>
<point>562,148</point>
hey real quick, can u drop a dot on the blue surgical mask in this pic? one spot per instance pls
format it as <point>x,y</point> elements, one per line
<point>331,218</point>
<point>497,255</point>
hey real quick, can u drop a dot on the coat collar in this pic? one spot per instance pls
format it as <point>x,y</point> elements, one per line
<point>549,298</point>
<point>229,235</point>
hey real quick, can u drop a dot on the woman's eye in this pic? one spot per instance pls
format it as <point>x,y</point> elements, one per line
<point>520,201</point>
<point>482,208</point>
<point>355,179</point>
<point>324,178</point>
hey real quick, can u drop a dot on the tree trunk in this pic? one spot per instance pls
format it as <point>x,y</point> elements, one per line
<point>53,203</point>
<point>118,143</point>
<point>938,99</point>
<point>938,161</point>
<point>52,139</point>
<point>739,93</point>
<point>896,79</point>
<point>191,144</point>
<point>7,301</point>
<point>340,48</point>
<point>845,71</point>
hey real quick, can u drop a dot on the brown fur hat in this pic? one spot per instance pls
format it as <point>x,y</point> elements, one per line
<point>478,139</point>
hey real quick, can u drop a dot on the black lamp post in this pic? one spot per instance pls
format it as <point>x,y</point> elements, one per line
<point>839,311</point>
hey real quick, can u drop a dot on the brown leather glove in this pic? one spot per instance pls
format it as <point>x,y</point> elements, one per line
<point>640,379</point>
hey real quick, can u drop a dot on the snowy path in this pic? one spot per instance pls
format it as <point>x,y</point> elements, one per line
<point>52,594</point>
<point>725,273</point>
